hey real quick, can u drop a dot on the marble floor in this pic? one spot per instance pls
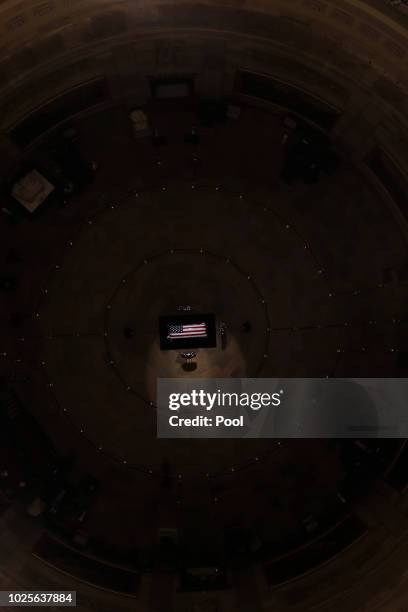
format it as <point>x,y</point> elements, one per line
<point>210,225</point>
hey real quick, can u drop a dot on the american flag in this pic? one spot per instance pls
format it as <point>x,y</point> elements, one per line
<point>187,330</point>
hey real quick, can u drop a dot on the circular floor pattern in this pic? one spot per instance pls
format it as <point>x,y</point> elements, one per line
<point>138,259</point>
<point>207,282</point>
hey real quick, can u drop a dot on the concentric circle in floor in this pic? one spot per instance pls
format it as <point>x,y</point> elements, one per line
<point>140,258</point>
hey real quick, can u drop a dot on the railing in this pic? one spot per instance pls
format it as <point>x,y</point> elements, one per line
<point>316,553</point>
<point>85,567</point>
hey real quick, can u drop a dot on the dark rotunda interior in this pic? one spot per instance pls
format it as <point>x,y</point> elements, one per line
<point>159,161</point>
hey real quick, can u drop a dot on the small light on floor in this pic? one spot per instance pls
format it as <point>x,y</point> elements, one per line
<point>341,498</point>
